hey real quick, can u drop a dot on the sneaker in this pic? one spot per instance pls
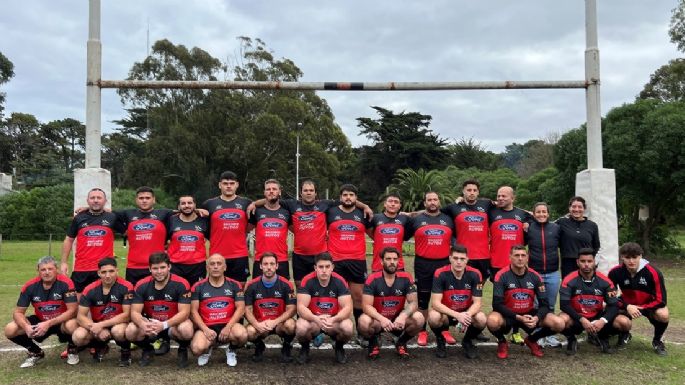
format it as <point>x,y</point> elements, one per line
<point>552,341</point>
<point>340,356</point>
<point>440,348</point>
<point>125,358</point>
<point>448,337</point>
<point>64,354</point>
<point>422,339</point>
<point>592,339</point>
<point>542,342</point>
<point>72,356</point>
<point>32,359</point>
<point>99,353</point>
<point>259,348</point>
<point>482,338</point>
<point>623,339</point>
<point>572,346</point>
<point>286,353</point>
<point>535,349</point>
<point>203,359</point>
<point>146,358</point>
<point>502,349</point>
<point>231,358</point>
<point>374,351</point>
<point>182,358</point>
<point>470,350</point>
<point>161,346</point>
<point>402,351</point>
<point>318,340</point>
<point>659,347</point>
<point>605,347</point>
<point>517,338</point>
<point>303,358</point>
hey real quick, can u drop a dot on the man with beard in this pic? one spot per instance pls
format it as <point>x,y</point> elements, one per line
<point>271,229</point>
<point>160,309</point>
<point>506,228</point>
<point>390,305</point>
<point>187,234</point>
<point>388,229</point>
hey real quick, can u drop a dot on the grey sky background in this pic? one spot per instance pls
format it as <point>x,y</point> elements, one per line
<point>354,40</point>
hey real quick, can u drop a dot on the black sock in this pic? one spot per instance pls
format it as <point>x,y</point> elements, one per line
<point>373,340</point>
<point>145,344</point>
<point>499,335</point>
<point>659,329</point>
<point>339,344</point>
<point>438,331</point>
<point>357,313</point>
<point>403,338</point>
<point>471,333</point>
<point>25,341</point>
<point>124,345</point>
<point>183,344</point>
<point>288,339</point>
<point>540,333</point>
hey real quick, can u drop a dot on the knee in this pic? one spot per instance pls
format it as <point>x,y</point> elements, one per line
<point>119,332</point>
<point>479,320</point>
<point>132,332</point>
<point>661,314</point>
<point>80,337</point>
<point>69,326</point>
<point>289,326</point>
<point>11,330</point>
<point>239,334</point>
<point>346,328</point>
<point>494,321</point>
<point>434,318</point>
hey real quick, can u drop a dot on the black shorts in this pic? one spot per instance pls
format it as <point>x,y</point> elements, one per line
<point>283,270</point>
<point>649,314</point>
<point>191,273</point>
<point>135,275</point>
<point>238,268</point>
<point>54,330</point>
<point>217,328</point>
<point>424,269</point>
<point>82,279</point>
<point>482,265</point>
<point>510,323</point>
<point>577,328</point>
<point>493,272</point>
<point>352,270</point>
<point>302,265</point>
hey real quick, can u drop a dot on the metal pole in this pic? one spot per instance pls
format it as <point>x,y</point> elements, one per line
<point>0,246</point>
<point>93,92</point>
<point>594,120</point>
<point>50,244</point>
<point>297,162</point>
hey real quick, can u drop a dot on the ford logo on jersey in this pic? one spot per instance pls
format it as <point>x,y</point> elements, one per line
<point>390,231</point>
<point>588,301</point>
<point>48,308</point>
<point>272,225</point>
<point>473,218</point>
<point>324,305</point>
<point>94,233</point>
<point>217,305</point>
<point>108,310</point>
<point>459,297</point>
<point>188,238</point>
<point>508,227</point>
<point>143,227</point>
<point>268,305</point>
<point>348,228</point>
<point>434,232</point>
<point>521,296</point>
<point>229,216</point>
<point>307,218</point>
<point>160,308</point>
<point>390,303</point>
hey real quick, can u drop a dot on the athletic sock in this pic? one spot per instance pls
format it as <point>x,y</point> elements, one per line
<point>288,339</point>
<point>183,344</point>
<point>438,331</point>
<point>471,333</point>
<point>145,344</point>
<point>373,340</point>
<point>123,344</point>
<point>26,342</point>
<point>659,329</point>
<point>357,313</point>
<point>540,333</point>
<point>499,335</point>
<point>403,338</point>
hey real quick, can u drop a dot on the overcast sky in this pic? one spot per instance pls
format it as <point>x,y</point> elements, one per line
<point>353,40</point>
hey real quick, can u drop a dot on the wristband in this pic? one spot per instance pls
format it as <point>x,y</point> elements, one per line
<point>605,320</point>
<point>165,325</point>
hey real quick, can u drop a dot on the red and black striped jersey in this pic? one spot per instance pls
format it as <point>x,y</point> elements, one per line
<point>346,234</point>
<point>217,304</point>
<point>94,234</point>
<point>324,300</point>
<point>388,232</point>
<point>646,289</point>
<point>105,306</point>
<point>271,232</point>
<point>309,225</point>
<point>187,240</point>
<point>432,235</point>
<point>228,226</point>
<point>580,298</point>
<point>389,300</point>
<point>47,303</point>
<point>506,230</point>
<point>146,232</point>
<point>457,293</point>
<point>471,226</point>
<point>269,302</point>
<point>161,304</point>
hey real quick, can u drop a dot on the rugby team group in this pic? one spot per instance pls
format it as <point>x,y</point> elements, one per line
<point>174,289</point>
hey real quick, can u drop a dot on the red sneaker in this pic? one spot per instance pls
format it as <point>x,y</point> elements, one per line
<point>448,337</point>
<point>502,349</point>
<point>64,354</point>
<point>402,351</point>
<point>374,352</point>
<point>535,349</point>
<point>422,339</point>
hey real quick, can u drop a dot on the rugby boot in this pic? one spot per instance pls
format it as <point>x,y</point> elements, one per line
<point>374,348</point>
<point>448,337</point>
<point>571,346</point>
<point>605,347</point>
<point>182,358</point>
<point>623,339</point>
<point>535,349</point>
<point>286,353</point>
<point>146,357</point>
<point>32,359</point>
<point>470,350</point>
<point>303,357</point>
<point>440,348</point>
<point>402,351</point>
<point>502,349</point>
<point>659,348</point>
<point>259,348</point>
<point>340,356</point>
<point>164,347</point>
<point>125,358</point>
<point>422,339</point>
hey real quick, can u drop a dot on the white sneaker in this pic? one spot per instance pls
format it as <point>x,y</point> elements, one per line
<point>552,341</point>
<point>542,342</point>
<point>231,359</point>
<point>72,359</point>
<point>203,359</point>
<point>32,360</point>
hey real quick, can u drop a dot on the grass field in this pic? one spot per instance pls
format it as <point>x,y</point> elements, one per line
<point>636,364</point>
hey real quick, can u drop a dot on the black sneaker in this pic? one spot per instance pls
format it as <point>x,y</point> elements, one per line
<point>623,339</point>
<point>572,346</point>
<point>125,358</point>
<point>592,339</point>
<point>100,353</point>
<point>440,349</point>
<point>470,350</point>
<point>482,338</point>
<point>146,358</point>
<point>659,347</point>
<point>259,348</point>
<point>340,356</point>
<point>605,347</point>
<point>286,353</point>
<point>303,358</point>
<point>182,358</point>
<point>163,349</point>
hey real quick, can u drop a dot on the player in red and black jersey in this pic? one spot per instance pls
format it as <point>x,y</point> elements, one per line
<point>271,229</point>
<point>515,293</point>
<point>643,293</point>
<point>388,229</point>
<point>347,243</point>
<point>187,233</point>
<point>471,226</point>
<point>146,232</point>
<point>160,309</point>
<point>433,234</point>
<point>217,308</point>
<point>270,308</point>
<point>506,228</point>
<point>229,227</point>
<point>324,305</point>
<point>54,306</point>
<point>588,303</point>
<point>104,312</point>
<point>93,230</point>
<point>456,299</point>
<point>390,305</point>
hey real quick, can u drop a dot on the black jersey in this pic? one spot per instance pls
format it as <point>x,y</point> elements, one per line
<point>146,232</point>
<point>187,240</point>
<point>309,225</point>
<point>471,226</point>
<point>516,294</point>
<point>217,304</point>
<point>346,234</point>
<point>457,294</point>
<point>271,232</point>
<point>105,306</point>
<point>580,298</point>
<point>432,235</point>
<point>161,304</point>
<point>269,302</point>
<point>228,226</point>
<point>389,300</point>
<point>388,232</point>
<point>645,290</point>
<point>50,303</point>
<point>324,300</point>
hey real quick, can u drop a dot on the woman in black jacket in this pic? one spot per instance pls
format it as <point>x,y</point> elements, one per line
<point>577,232</point>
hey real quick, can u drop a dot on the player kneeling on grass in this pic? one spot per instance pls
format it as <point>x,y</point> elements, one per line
<point>54,303</point>
<point>390,304</point>
<point>160,309</point>
<point>583,296</point>
<point>104,311</point>
<point>456,299</point>
<point>217,308</point>
<point>324,305</point>
<point>516,289</point>
<point>270,308</point>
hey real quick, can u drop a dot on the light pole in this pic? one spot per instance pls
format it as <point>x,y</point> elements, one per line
<point>297,160</point>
